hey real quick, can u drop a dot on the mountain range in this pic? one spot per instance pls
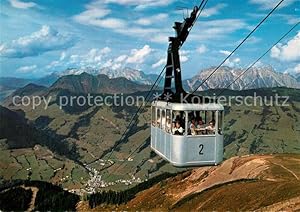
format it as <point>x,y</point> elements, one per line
<point>256,77</point>
<point>298,77</point>
<point>87,83</point>
<point>107,80</point>
<point>12,83</point>
<point>128,73</point>
<point>262,77</point>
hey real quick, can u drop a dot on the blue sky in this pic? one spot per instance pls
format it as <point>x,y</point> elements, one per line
<point>45,36</point>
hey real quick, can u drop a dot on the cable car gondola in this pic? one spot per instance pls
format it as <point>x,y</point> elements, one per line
<point>186,130</point>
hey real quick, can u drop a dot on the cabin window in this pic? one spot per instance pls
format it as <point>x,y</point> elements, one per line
<point>196,124</point>
<point>168,121</point>
<point>220,122</point>
<point>178,122</point>
<point>191,123</point>
<point>163,120</point>
<point>158,120</point>
<point>200,116</point>
<point>153,114</point>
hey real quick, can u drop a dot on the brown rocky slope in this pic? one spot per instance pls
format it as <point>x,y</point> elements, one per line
<point>253,182</point>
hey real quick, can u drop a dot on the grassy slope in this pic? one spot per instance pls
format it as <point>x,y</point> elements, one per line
<point>262,130</point>
<point>247,183</point>
<point>39,163</point>
<point>95,130</point>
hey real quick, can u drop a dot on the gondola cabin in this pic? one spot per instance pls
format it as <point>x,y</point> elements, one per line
<point>187,134</point>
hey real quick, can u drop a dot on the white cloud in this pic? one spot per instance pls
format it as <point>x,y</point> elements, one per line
<point>91,14</point>
<point>297,69</point>
<point>293,70</point>
<point>152,19</point>
<point>113,64</point>
<point>2,47</point>
<point>160,37</point>
<point>229,24</point>
<point>152,34</point>
<point>22,5</point>
<point>217,29</point>
<point>99,58</point>
<point>159,63</point>
<point>53,64</point>
<point>26,69</point>
<point>288,52</point>
<point>184,55</point>
<point>225,52</point>
<point>110,23</point>
<point>105,50</point>
<point>213,10</point>
<point>237,60</point>
<point>259,64</point>
<point>89,18</point>
<point>201,49</point>
<point>116,66</point>
<point>62,56</point>
<point>141,4</point>
<point>136,58</point>
<point>250,40</point>
<point>291,19</point>
<point>44,40</point>
<point>231,62</point>
<point>93,58</point>
<point>57,62</point>
<point>108,63</point>
<point>270,4</point>
<point>95,15</point>
<point>138,55</point>
<point>121,59</point>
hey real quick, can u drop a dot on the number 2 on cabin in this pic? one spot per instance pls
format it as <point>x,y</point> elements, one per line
<point>201,146</point>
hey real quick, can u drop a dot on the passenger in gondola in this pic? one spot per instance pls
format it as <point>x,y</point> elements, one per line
<point>200,129</point>
<point>168,125</point>
<point>180,119</point>
<point>211,127</point>
<point>192,127</point>
<point>163,123</point>
<point>173,126</point>
<point>200,122</point>
<point>177,130</point>
<point>158,123</point>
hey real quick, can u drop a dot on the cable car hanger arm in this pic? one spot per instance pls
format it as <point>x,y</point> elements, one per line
<point>173,67</point>
<point>183,28</point>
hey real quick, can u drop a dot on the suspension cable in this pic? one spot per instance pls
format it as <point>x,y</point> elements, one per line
<point>243,41</point>
<point>223,89</point>
<point>264,54</point>
<point>128,127</point>
<point>130,124</point>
